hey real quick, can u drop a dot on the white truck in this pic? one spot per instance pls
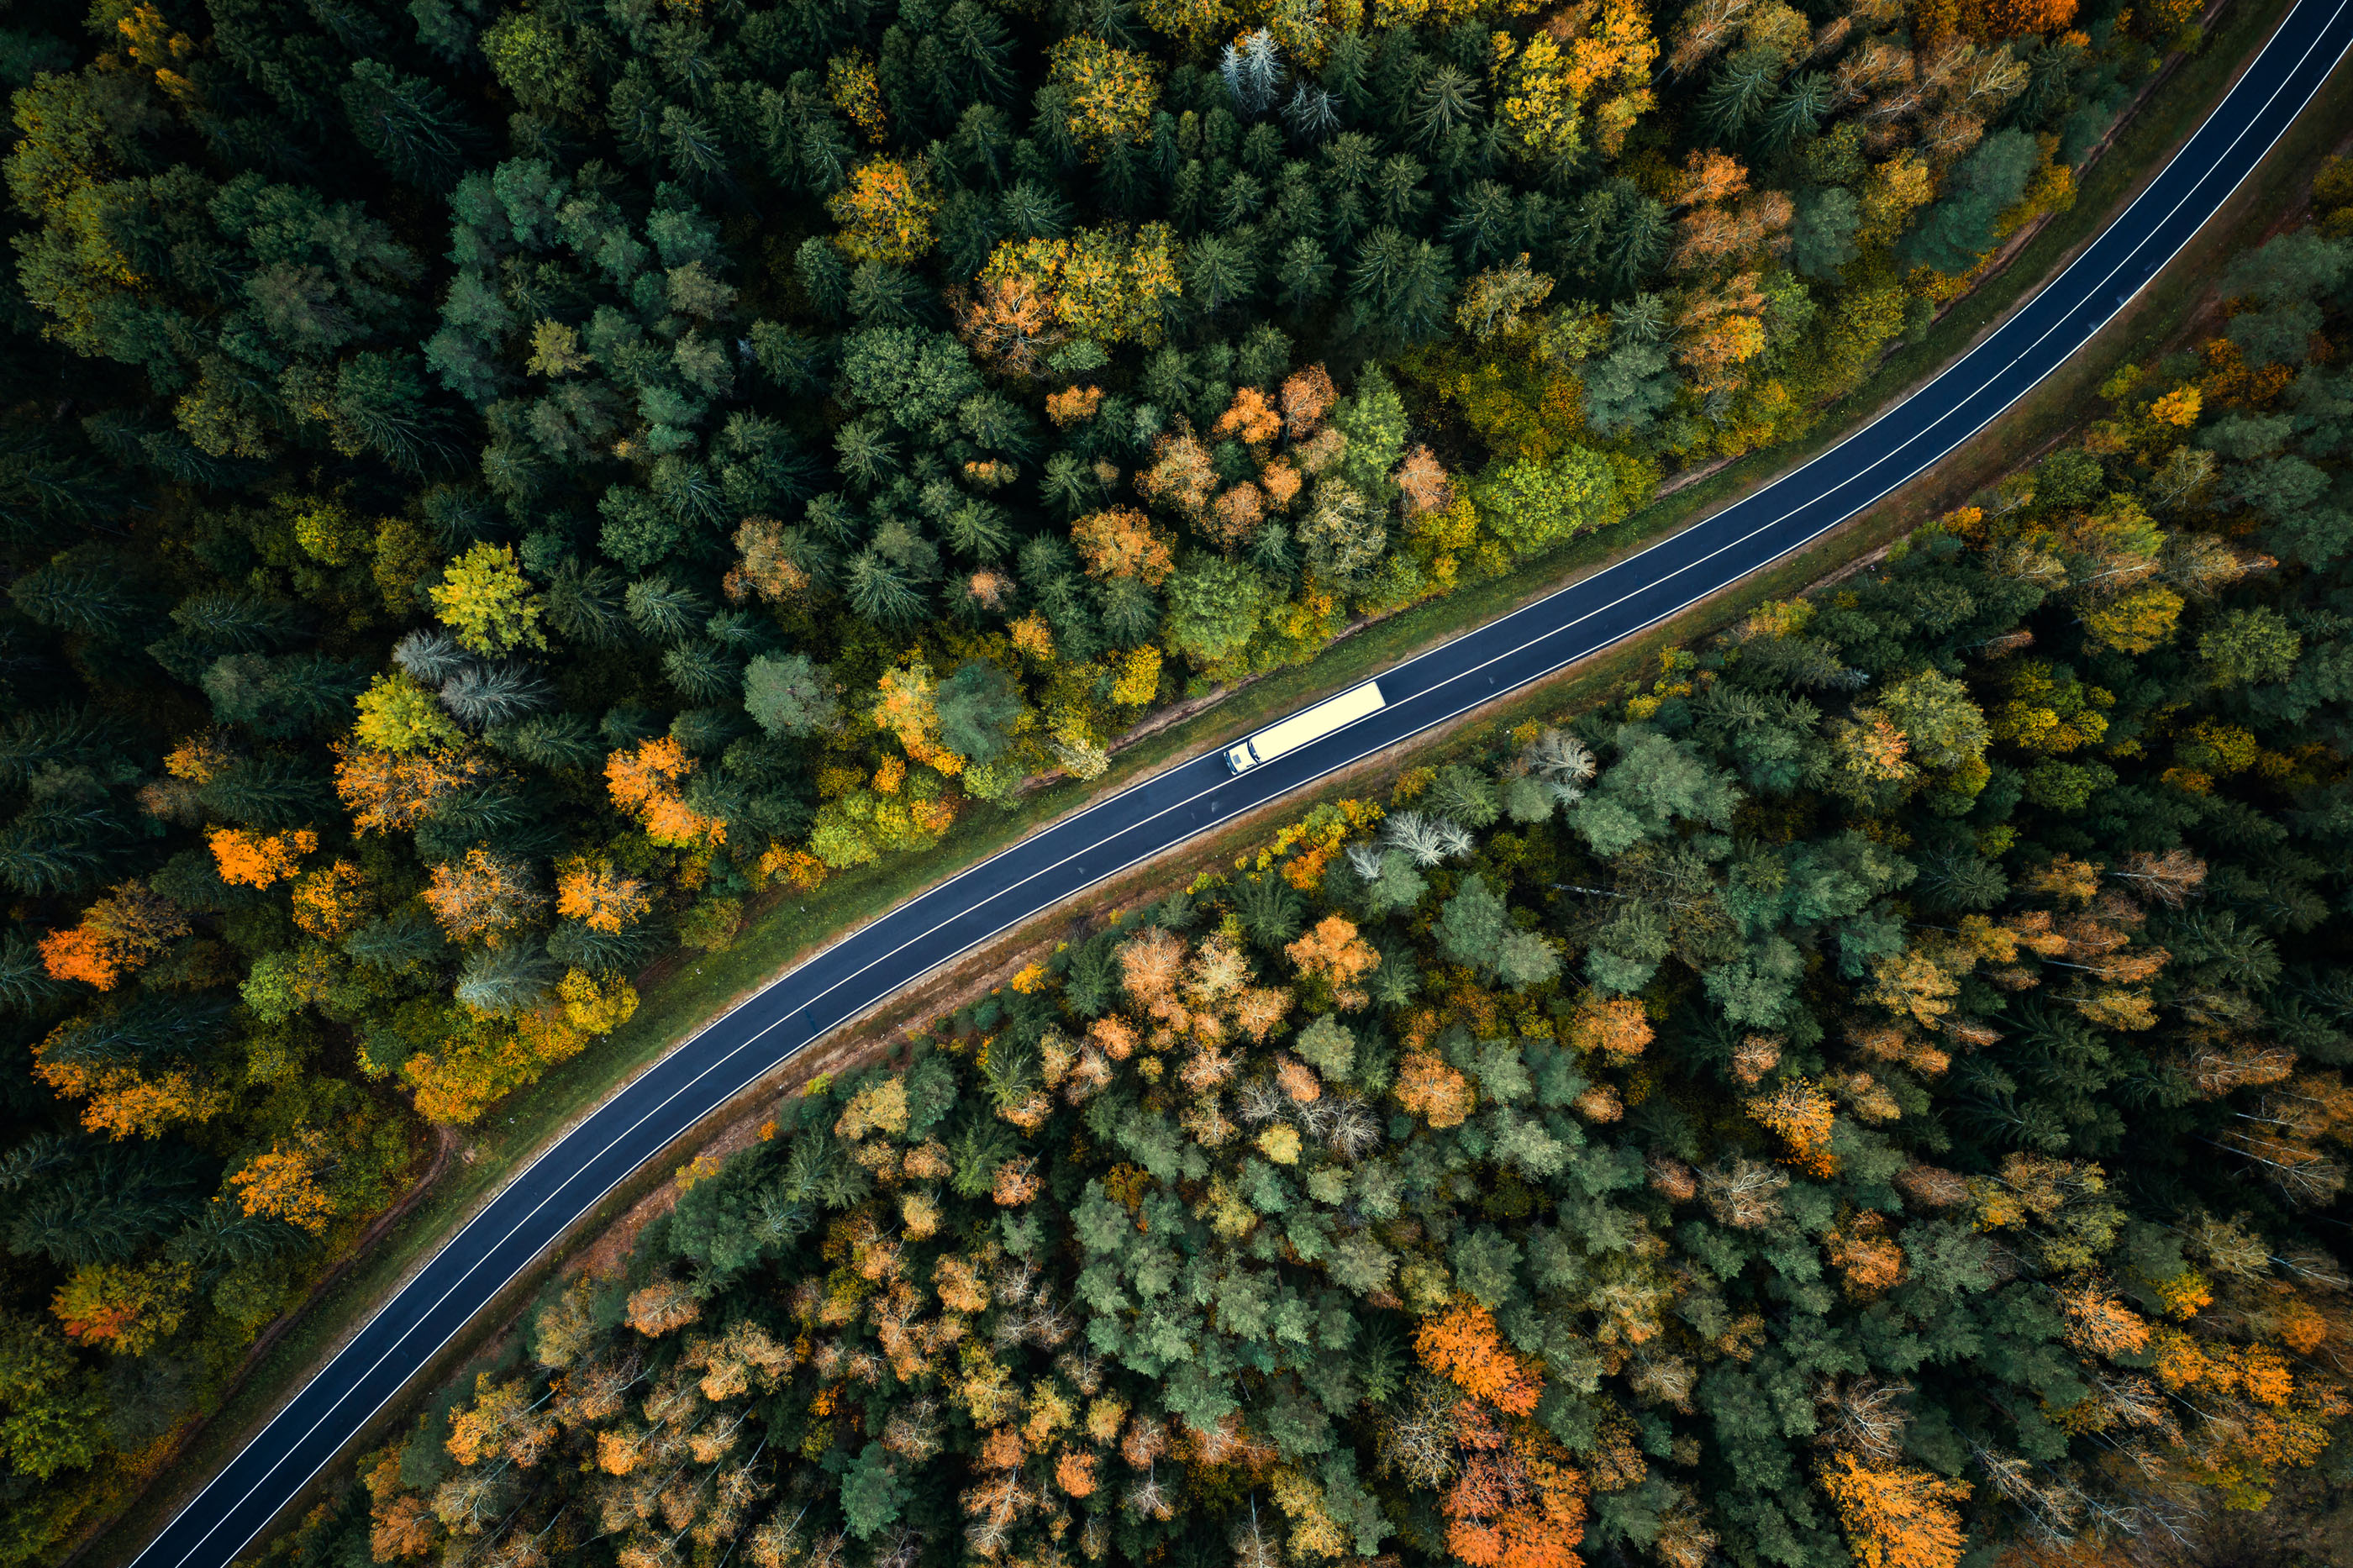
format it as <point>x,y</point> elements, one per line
<point>1308,724</point>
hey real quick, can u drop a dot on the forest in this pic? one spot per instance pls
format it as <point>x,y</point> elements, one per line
<point>1873,1091</point>
<point>492,492</point>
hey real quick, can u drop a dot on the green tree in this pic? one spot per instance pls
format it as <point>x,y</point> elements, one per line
<point>872,1493</point>
<point>979,707</point>
<point>1373,418</point>
<point>52,1411</point>
<point>1214,605</point>
<point>1532,505</point>
<point>1959,228</point>
<point>1822,239</point>
<point>2249,646</point>
<point>1627,389</point>
<point>1656,779</point>
<point>413,126</point>
<point>1945,726</point>
<point>790,694</point>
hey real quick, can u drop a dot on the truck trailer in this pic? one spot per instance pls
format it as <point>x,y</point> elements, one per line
<point>1308,724</point>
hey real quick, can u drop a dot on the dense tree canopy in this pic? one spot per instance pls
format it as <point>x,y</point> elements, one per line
<point>1873,1094</point>
<point>489,491</point>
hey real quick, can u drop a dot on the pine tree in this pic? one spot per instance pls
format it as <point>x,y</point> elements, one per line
<point>58,739</point>
<point>411,124</point>
<point>583,603</point>
<point>487,694</point>
<point>1269,908</point>
<point>88,598</point>
<point>578,945</point>
<point>43,485</point>
<point>1796,114</point>
<point>552,740</point>
<point>702,672</point>
<point>396,943</point>
<point>1737,94</point>
<point>57,845</point>
<point>108,1205</point>
<point>1130,611</point>
<point>1217,272</point>
<point>507,979</point>
<point>431,655</point>
<point>223,1235</point>
<point>879,592</point>
<point>664,611</point>
<point>237,623</point>
<point>381,405</point>
<point>279,698</point>
<point>1305,273</point>
<point>978,531</point>
<point>266,792</point>
<point>1639,244</point>
<point>26,986</point>
<point>1400,286</point>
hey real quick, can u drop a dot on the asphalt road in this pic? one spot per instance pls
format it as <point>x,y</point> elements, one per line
<point>1148,818</point>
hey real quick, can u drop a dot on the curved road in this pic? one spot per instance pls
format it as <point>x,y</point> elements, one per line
<point>1148,818</point>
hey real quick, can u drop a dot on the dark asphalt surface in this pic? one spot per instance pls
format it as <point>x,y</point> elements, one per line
<point>1148,818</point>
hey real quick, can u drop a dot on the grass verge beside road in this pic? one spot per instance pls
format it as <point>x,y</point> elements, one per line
<point>686,994</point>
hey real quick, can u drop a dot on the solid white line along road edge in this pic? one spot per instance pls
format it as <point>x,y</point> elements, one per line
<point>1957,368</point>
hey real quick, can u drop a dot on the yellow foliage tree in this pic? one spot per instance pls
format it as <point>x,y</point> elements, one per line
<point>485,600</point>
<point>1111,92</point>
<point>2137,622</point>
<point>1107,284</point>
<point>398,712</point>
<point>856,90</point>
<point>330,900</point>
<point>885,211</point>
<point>1542,85</point>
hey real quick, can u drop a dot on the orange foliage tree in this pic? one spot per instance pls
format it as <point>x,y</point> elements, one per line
<point>251,859</point>
<point>118,934</point>
<point>1462,1345</point>
<point>645,782</point>
<point>1334,954</point>
<point>124,1308</point>
<point>1121,542</point>
<point>1896,1517</point>
<point>387,792</point>
<point>330,899</point>
<point>1616,1027</point>
<point>1429,1088</point>
<point>284,1183</point>
<point>1517,1502</point>
<point>484,895</point>
<point>602,898</point>
<point>1800,1114</point>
